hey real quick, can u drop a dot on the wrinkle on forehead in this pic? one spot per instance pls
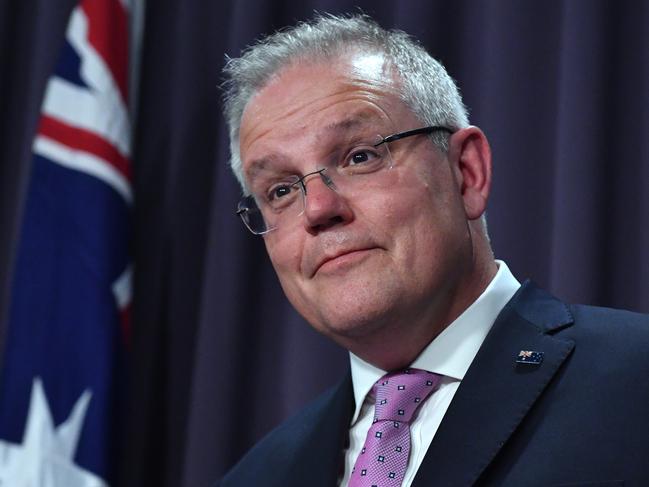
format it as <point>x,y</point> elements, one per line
<point>277,106</point>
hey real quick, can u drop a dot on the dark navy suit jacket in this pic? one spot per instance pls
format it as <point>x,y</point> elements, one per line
<point>580,417</point>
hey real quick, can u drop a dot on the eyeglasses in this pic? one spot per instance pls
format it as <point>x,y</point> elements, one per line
<point>274,202</point>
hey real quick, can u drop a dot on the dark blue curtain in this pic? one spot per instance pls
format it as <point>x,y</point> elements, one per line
<point>560,88</point>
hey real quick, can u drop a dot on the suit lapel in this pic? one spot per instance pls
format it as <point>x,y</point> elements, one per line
<point>496,393</point>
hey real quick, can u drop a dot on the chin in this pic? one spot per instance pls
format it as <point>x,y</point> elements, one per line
<point>352,320</point>
<point>360,305</point>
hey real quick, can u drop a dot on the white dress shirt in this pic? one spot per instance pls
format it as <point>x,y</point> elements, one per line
<point>450,354</point>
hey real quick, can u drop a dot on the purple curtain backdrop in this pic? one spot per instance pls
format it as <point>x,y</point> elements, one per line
<point>560,88</point>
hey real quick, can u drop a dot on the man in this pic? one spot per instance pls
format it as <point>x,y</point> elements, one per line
<point>369,188</point>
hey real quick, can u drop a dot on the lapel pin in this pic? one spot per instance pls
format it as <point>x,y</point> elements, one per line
<point>529,357</point>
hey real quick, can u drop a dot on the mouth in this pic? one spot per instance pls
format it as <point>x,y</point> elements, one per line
<point>341,261</point>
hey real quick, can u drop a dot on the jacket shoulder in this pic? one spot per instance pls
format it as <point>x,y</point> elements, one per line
<point>610,316</point>
<point>611,334</point>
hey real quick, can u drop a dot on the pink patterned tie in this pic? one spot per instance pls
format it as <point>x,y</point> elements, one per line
<point>384,457</point>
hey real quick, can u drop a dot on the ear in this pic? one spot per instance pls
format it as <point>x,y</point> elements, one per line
<point>470,158</point>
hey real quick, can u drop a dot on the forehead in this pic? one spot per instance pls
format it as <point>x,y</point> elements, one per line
<point>308,102</point>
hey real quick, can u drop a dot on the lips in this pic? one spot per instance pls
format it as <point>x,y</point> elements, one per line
<point>340,255</point>
<point>332,246</point>
<point>337,256</point>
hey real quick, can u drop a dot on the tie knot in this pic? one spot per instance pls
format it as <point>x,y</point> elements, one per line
<point>399,394</point>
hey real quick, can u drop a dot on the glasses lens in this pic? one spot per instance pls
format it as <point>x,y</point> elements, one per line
<point>251,215</point>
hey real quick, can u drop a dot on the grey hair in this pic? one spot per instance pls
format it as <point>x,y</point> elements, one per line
<point>425,86</point>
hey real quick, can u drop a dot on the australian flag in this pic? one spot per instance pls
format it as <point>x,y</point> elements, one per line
<point>62,371</point>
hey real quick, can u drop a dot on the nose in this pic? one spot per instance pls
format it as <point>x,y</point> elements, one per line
<point>324,206</point>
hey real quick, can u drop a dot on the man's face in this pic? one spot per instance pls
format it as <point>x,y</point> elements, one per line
<point>370,263</point>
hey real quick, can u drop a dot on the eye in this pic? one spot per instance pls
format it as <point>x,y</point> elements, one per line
<point>362,156</point>
<point>280,191</point>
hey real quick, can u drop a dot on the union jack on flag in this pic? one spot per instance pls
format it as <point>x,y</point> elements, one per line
<point>62,373</point>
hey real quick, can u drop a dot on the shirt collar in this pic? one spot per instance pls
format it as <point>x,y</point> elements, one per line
<point>452,351</point>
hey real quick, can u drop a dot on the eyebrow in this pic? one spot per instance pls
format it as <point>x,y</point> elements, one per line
<point>360,118</point>
<point>258,165</point>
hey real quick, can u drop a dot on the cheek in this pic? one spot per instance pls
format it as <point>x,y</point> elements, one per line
<point>285,252</point>
<point>428,223</point>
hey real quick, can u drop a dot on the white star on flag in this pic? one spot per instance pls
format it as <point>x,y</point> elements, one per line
<point>45,457</point>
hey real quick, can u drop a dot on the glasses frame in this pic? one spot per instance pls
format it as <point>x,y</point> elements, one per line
<point>409,133</point>
<point>241,212</point>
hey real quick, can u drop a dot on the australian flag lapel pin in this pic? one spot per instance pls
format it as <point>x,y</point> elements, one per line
<point>529,357</point>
